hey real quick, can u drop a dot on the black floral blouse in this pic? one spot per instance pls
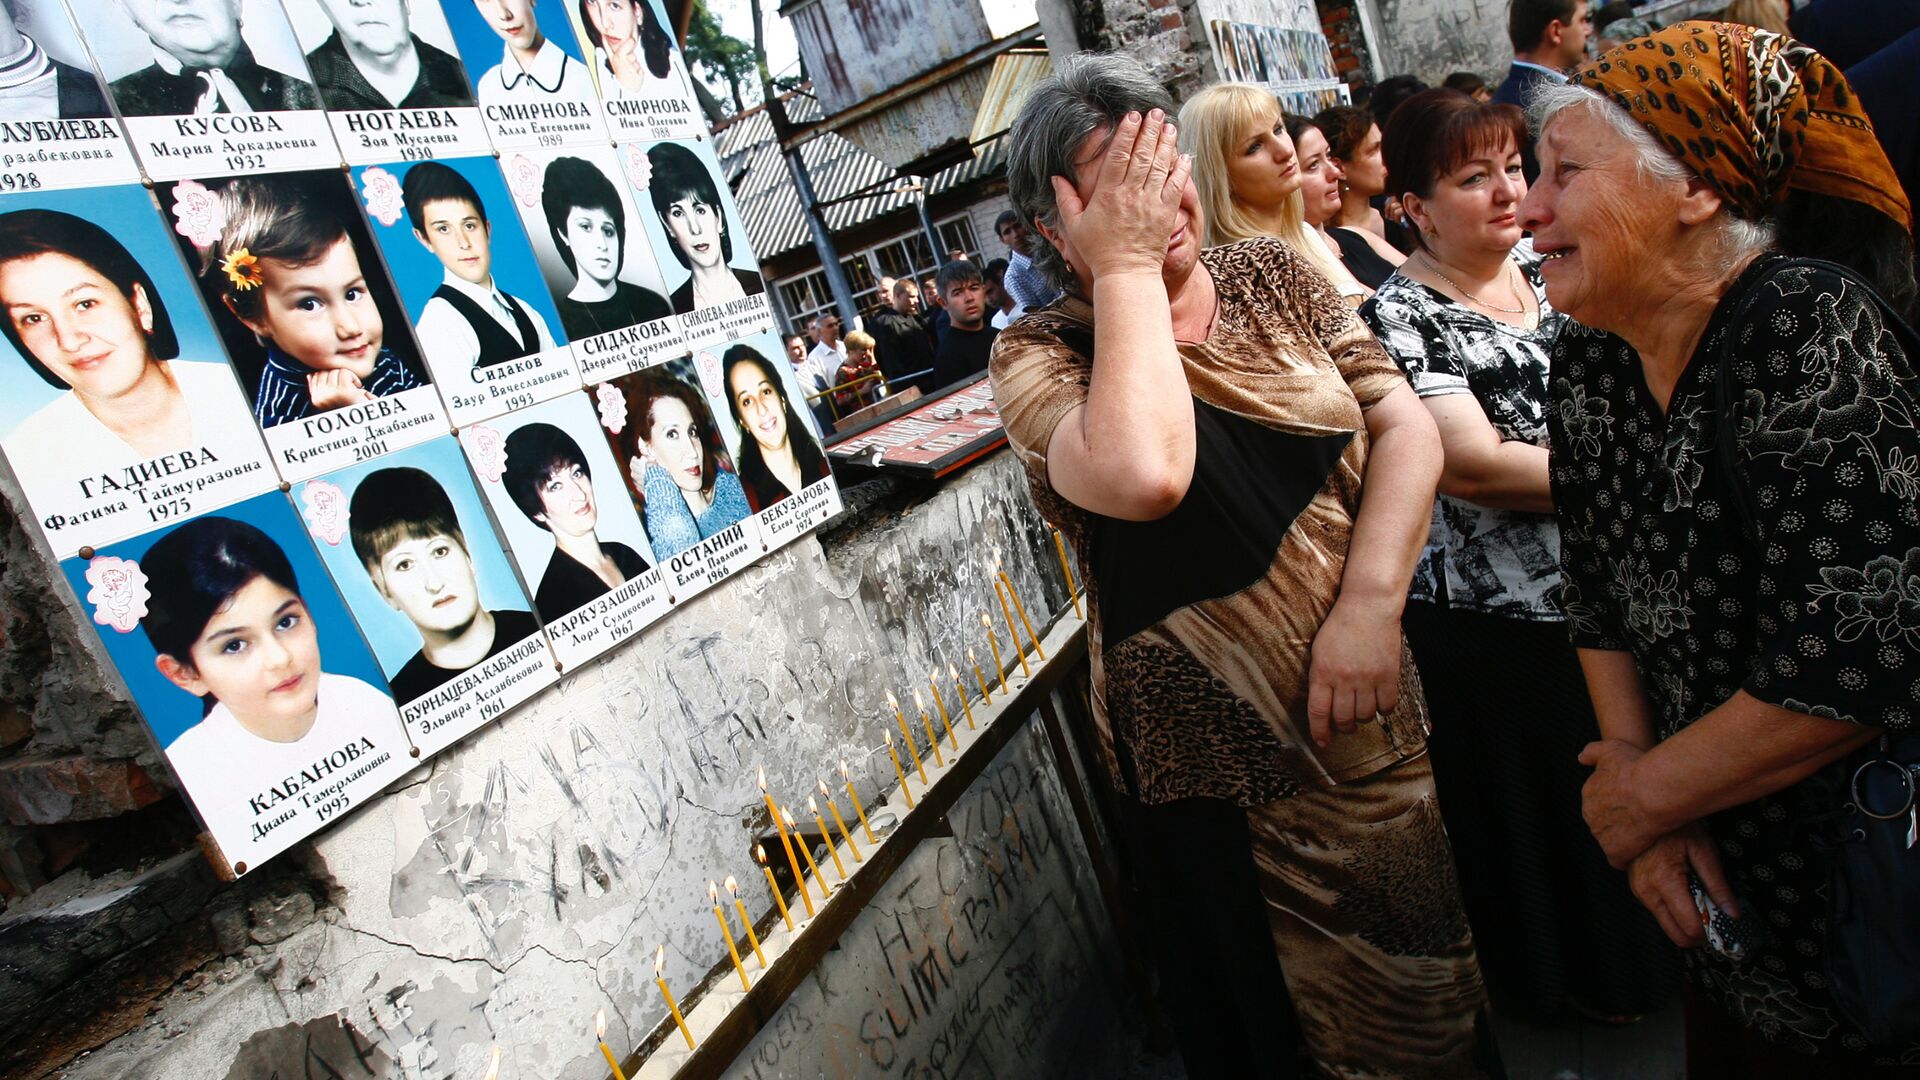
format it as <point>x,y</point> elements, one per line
<point>1820,615</point>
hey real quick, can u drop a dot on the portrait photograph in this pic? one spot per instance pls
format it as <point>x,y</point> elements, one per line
<point>248,669</point>
<point>297,291</point>
<point>49,75</point>
<point>523,59</point>
<point>661,426</point>
<point>695,229</point>
<point>487,327</point>
<point>561,499</point>
<point>110,370</point>
<point>380,54</point>
<point>589,236</point>
<point>637,68</point>
<point>197,57</point>
<point>766,422</point>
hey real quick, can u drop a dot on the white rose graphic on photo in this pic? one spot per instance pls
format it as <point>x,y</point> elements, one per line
<point>119,594</point>
<point>384,203</point>
<point>708,365</point>
<point>326,511</point>
<point>638,165</point>
<point>613,407</point>
<point>523,179</point>
<point>198,213</point>
<point>489,452</point>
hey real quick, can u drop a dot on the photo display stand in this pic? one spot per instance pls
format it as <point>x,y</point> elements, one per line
<point>357,399</point>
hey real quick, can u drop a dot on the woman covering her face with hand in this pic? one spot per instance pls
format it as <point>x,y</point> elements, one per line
<point>637,58</point>
<point>686,492</point>
<point>778,454</point>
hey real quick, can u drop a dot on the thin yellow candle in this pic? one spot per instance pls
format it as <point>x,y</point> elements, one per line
<point>979,679</point>
<point>786,843</point>
<point>857,808</point>
<point>907,734</point>
<point>897,770</point>
<point>834,809</point>
<point>813,807</point>
<point>1019,650</point>
<point>600,1034</point>
<point>933,680</point>
<point>933,740</point>
<point>1019,607</point>
<point>493,1066</point>
<point>994,644</point>
<point>659,976</point>
<point>1060,546</point>
<point>960,691</point>
<point>806,850</point>
<point>753,939</point>
<point>719,916</point>
<point>773,886</point>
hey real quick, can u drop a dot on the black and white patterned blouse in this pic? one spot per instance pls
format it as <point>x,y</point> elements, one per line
<point>1818,615</point>
<point>1503,562</point>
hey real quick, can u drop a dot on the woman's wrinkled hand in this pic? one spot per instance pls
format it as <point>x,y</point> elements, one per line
<point>1658,877</point>
<point>1611,801</point>
<point>1125,208</point>
<point>335,389</point>
<point>1353,671</point>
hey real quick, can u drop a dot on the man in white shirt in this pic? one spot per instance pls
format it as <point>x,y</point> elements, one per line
<point>831,352</point>
<point>469,319</point>
<point>532,68</point>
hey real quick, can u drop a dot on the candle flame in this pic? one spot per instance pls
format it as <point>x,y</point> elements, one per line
<point>763,777</point>
<point>732,886</point>
<point>600,1025</point>
<point>787,812</point>
<point>917,703</point>
<point>986,622</point>
<point>823,790</point>
<point>659,961</point>
<point>889,736</point>
<point>971,659</point>
<point>760,853</point>
<point>813,806</point>
<point>843,770</point>
<point>713,892</point>
<point>953,673</point>
<point>892,702</point>
<point>493,1067</point>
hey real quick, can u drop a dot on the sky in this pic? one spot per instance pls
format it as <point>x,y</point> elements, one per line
<point>736,18</point>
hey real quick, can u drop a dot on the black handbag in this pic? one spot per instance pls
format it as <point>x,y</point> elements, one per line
<point>1862,812</point>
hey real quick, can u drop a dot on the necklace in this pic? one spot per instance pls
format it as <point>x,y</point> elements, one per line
<point>1521,310</point>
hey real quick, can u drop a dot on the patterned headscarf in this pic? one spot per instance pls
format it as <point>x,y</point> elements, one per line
<point>1753,113</point>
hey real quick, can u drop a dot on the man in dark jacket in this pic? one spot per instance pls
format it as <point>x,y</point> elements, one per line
<point>1549,39</point>
<point>900,339</point>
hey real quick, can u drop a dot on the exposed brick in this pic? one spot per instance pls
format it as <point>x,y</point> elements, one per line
<point>1172,21</point>
<point>48,791</point>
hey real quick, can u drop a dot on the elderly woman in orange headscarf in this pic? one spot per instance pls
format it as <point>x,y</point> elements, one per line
<point>1735,466</point>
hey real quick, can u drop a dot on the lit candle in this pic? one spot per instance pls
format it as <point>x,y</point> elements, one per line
<point>1019,607</point>
<point>600,1034</point>
<point>960,691</point>
<point>1013,632</point>
<point>979,679</point>
<point>713,894</point>
<point>834,809</point>
<point>813,807</point>
<point>659,976</point>
<point>493,1067</point>
<point>907,734</point>
<point>1060,546</point>
<point>785,842</point>
<point>857,808</point>
<point>753,939</point>
<point>806,850</point>
<point>933,680</point>
<point>897,770</point>
<point>933,740</point>
<point>773,886</point>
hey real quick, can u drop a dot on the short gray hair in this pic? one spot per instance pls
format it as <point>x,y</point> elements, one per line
<point>1738,238</point>
<point>1089,90</point>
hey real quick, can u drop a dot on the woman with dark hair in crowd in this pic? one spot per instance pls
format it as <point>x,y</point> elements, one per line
<point>1353,142</point>
<point>1468,83</point>
<point>1467,320</point>
<point>1734,471</point>
<point>588,222</point>
<point>1202,426</point>
<point>778,453</point>
<point>1320,181</point>
<point>548,478</point>
<point>678,473</point>
<point>688,202</point>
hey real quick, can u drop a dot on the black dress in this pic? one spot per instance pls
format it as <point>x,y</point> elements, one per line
<point>749,280</point>
<point>1815,616</point>
<point>421,676</point>
<point>629,305</point>
<point>567,585</point>
<point>1362,261</point>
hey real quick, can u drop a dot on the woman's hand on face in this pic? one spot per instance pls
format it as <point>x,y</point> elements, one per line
<point>1353,671</point>
<point>1611,803</point>
<point>1658,877</point>
<point>1122,213</point>
<point>637,467</point>
<point>335,389</point>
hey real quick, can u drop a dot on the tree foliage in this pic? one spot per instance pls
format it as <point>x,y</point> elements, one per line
<point>719,55</point>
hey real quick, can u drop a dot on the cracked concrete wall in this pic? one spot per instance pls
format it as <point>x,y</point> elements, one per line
<point>517,883</point>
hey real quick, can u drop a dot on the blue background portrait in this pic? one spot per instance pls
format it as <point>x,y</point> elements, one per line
<point>481,49</point>
<point>393,636</point>
<point>127,211</point>
<point>169,710</point>
<point>672,269</point>
<point>417,272</point>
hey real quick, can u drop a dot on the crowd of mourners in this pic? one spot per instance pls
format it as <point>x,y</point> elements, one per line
<point>1500,515</point>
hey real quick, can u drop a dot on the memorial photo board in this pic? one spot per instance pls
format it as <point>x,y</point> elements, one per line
<point>314,328</point>
<point>56,128</point>
<point>529,74</point>
<point>638,69</point>
<point>699,243</point>
<point>413,552</point>
<point>248,671</point>
<point>118,411</point>
<point>781,464</point>
<point>479,308</point>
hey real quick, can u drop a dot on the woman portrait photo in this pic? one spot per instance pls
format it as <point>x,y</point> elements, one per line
<point>676,467</point>
<point>634,55</point>
<point>87,320</point>
<point>779,455</point>
<point>695,223</point>
<point>587,221</point>
<point>550,480</point>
